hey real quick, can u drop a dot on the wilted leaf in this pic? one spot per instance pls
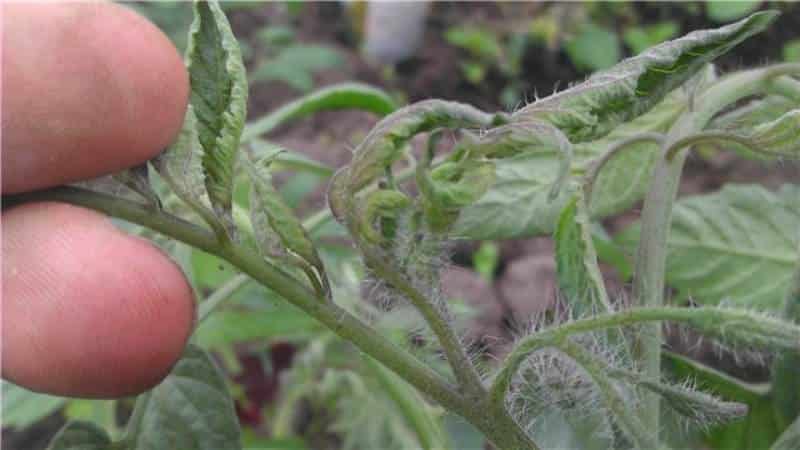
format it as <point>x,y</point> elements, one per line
<point>218,96</point>
<point>180,164</point>
<point>609,98</point>
<point>517,203</point>
<point>266,202</point>
<point>737,246</point>
<point>781,137</point>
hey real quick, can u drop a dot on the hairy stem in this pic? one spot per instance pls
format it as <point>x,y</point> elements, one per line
<point>224,292</point>
<point>501,429</point>
<point>594,170</point>
<point>410,405</point>
<point>337,319</point>
<point>733,324</point>
<point>657,211</point>
<point>625,416</point>
<point>463,369</point>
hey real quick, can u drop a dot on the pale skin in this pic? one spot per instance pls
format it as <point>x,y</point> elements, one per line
<point>88,311</point>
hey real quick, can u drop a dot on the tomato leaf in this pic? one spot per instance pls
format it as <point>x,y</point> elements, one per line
<point>609,98</point>
<point>579,276</point>
<point>334,97</point>
<point>81,436</point>
<point>737,245</point>
<point>190,410</point>
<point>218,96</point>
<point>22,407</point>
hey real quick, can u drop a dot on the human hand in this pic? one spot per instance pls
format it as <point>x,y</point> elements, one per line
<point>87,89</point>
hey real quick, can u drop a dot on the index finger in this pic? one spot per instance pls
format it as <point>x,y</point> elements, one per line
<point>87,89</point>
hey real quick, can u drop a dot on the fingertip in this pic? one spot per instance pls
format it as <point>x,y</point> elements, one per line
<point>88,311</point>
<point>89,88</point>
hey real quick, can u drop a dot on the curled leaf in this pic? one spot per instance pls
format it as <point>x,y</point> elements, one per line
<point>218,96</point>
<point>136,179</point>
<point>450,187</point>
<point>780,137</point>
<point>381,205</point>
<point>335,97</point>
<point>609,98</point>
<point>267,206</point>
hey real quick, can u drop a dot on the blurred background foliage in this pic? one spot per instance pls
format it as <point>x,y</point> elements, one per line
<point>296,386</point>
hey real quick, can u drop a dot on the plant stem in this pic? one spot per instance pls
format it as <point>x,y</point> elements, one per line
<point>337,319</point>
<point>463,369</point>
<point>411,406</point>
<point>594,170</point>
<point>657,212</point>
<point>741,324</point>
<point>500,429</point>
<point>625,416</point>
<point>224,292</point>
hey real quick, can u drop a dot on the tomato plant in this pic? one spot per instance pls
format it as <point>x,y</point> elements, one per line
<point>552,166</point>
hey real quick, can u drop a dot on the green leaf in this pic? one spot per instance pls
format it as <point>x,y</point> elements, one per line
<point>609,98</point>
<point>756,431</point>
<point>641,38</point>
<point>298,78</point>
<point>480,43</point>
<point>22,408</point>
<point>219,98</point>
<point>102,413</point>
<point>387,141</point>
<point>579,277</point>
<point>725,10</point>
<point>785,382</point>
<point>452,186</point>
<point>137,179</point>
<point>239,326</point>
<point>267,206</point>
<point>486,259</point>
<point>517,203</point>
<point>781,137</point>
<point>791,51</point>
<point>296,64</point>
<point>737,245</point>
<point>309,57</point>
<point>81,436</point>
<point>748,117</point>
<point>181,168</point>
<point>190,410</point>
<point>594,48</point>
<point>334,97</point>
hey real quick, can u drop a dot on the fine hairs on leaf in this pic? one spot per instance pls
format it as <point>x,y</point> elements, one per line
<point>585,374</point>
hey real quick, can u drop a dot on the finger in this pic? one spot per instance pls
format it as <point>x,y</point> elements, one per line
<point>88,88</point>
<point>88,311</point>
